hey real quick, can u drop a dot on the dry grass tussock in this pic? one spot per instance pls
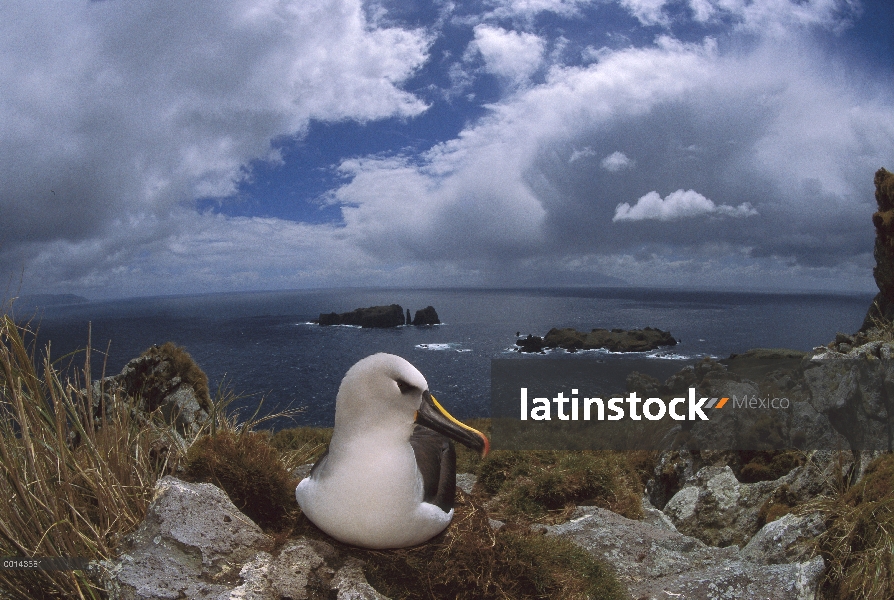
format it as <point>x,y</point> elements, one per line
<point>858,545</point>
<point>73,479</point>
<point>77,472</point>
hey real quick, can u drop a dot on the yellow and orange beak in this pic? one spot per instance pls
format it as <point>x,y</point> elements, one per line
<point>432,415</point>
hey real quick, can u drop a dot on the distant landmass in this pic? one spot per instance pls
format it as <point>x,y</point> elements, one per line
<point>38,300</point>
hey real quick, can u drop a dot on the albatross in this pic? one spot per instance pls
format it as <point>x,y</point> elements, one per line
<point>388,478</point>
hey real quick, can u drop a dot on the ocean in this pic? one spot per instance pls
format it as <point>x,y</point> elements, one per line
<point>262,345</point>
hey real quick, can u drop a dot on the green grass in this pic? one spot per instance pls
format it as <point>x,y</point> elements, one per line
<point>545,485</point>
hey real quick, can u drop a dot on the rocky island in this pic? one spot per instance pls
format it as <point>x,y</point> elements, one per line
<point>391,315</point>
<point>615,340</point>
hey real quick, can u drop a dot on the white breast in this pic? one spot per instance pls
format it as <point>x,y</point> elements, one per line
<point>371,497</point>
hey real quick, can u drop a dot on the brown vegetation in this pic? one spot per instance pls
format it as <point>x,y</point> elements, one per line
<point>62,499</point>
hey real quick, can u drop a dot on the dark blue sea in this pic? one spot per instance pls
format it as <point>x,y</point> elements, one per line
<point>262,345</point>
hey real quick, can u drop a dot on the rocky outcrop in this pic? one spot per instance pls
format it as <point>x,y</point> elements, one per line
<point>781,400</point>
<point>425,316</point>
<point>374,316</point>
<point>715,507</point>
<point>381,316</point>
<point>532,343</point>
<point>655,560</point>
<point>882,309</point>
<point>195,544</point>
<point>615,340</point>
<point>163,378</point>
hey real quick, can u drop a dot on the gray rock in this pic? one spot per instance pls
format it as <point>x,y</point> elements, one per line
<point>194,543</point>
<point>302,471</point>
<point>655,517</point>
<point>881,311</point>
<point>855,395</point>
<point>300,571</point>
<point>351,584</point>
<point>466,481</point>
<point>785,540</point>
<point>725,429</point>
<point>717,508</point>
<point>655,561</point>
<point>813,428</point>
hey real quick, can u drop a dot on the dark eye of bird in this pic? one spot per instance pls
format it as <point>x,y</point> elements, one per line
<point>404,386</point>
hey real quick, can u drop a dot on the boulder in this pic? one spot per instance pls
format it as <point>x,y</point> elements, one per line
<point>655,560</point>
<point>373,316</point>
<point>300,571</point>
<point>616,340</point>
<point>785,540</point>
<point>194,543</point>
<point>425,316</point>
<point>715,507</point>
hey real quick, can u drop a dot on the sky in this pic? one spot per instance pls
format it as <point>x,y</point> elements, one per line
<point>153,147</point>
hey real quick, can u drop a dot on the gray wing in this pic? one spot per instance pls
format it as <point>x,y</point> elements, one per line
<point>436,460</point>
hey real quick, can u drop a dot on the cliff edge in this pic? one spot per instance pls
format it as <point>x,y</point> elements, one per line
<point>881,312</point>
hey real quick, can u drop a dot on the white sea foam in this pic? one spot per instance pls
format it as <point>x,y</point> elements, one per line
<point>448,346</point>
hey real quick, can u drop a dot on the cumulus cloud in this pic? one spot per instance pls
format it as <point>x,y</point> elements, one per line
<point>798,164</point>
<point>768,17</point>
<point>509,54</point>
<point>616,161</point>
<point>530,8</point>
<point>649,12</point>
<point>113,119</point>
<point>114,113</point>
<point>775,17</point>
<point>678,205</point>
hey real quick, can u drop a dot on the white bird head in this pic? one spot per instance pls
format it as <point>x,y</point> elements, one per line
<point>384,395</point>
